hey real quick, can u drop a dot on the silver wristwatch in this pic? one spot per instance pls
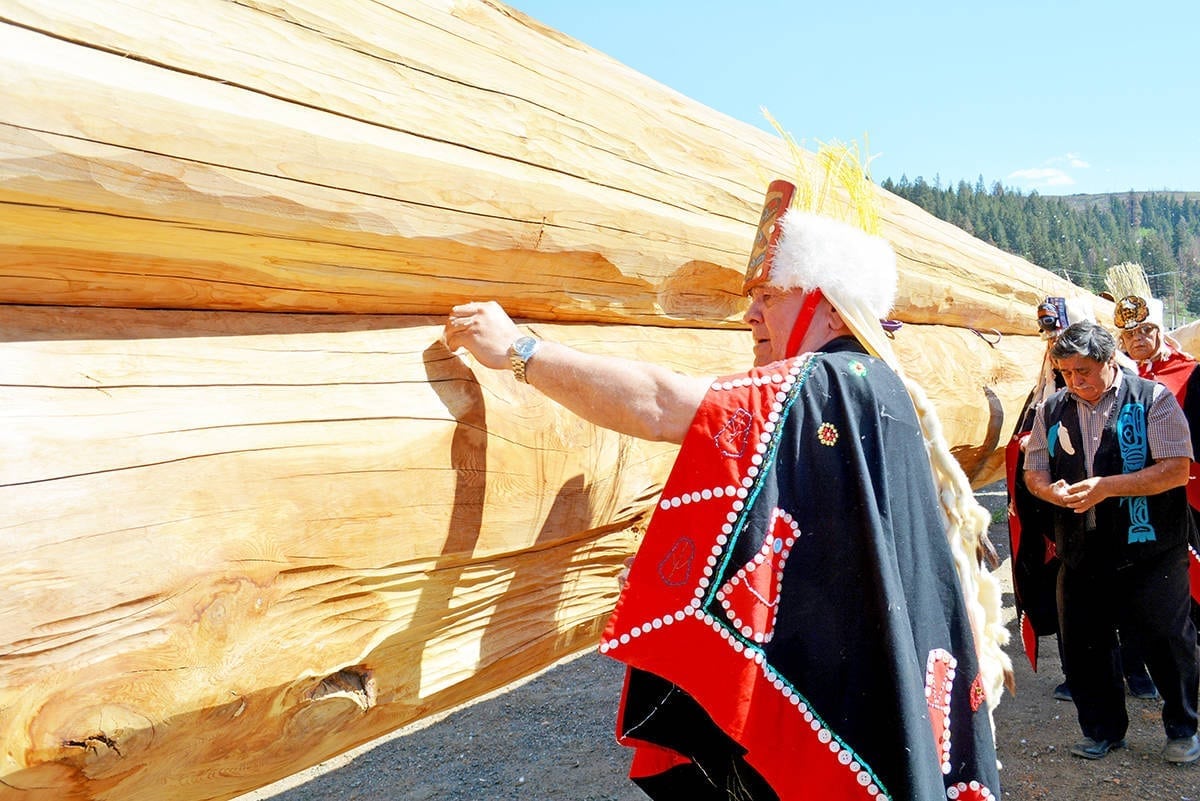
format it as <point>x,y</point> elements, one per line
<point>519,354</point>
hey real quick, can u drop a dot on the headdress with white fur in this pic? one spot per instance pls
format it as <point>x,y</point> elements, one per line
<point>845,263</point>
<point>856,272</point>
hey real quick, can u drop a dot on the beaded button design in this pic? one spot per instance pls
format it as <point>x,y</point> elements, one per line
<point>744,608</point>
<point>741,609</point>
<point>827,434</point>
<point>969,791</point>
<point>978,694</point>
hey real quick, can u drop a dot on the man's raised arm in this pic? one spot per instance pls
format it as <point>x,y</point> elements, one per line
<point>632,397</point>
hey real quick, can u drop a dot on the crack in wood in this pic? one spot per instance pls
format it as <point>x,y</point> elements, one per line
<point>88,627</point>
<point>356,684</point>
<point>125,54</point>
<point>263,174</point>
<point>93,744</point>
<point>160,463</point>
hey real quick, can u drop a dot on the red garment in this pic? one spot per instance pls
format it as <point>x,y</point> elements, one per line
<point>1173,370</point>
<point>1176,370</point>
<point>1034,558</point>
<point>793,611</point>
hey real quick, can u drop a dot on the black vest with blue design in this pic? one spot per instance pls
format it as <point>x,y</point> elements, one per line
<point>1127,528</point>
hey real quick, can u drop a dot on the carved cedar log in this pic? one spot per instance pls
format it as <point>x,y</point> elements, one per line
<point>238,543</point>
<point>294,533</point>
<point>414,156</point>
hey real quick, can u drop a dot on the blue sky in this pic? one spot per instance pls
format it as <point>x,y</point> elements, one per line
<point>1061,97</point>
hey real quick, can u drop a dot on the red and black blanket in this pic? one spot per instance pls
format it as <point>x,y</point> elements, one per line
<point>1034,557</point>
<point>793,623</point>
<point>1179,373</point>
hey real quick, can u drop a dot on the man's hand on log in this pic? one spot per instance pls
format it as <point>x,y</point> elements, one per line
<point>485,330</point>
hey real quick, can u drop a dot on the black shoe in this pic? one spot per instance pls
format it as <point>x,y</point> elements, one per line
<point>1095,749</point>
<point>1062,692</point>
<point>1142,687</point>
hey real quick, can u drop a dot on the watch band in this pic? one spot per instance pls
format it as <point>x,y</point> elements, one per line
<point>518,367</point>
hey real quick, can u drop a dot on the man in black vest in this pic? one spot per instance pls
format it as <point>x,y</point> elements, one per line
<point>1111,452</point>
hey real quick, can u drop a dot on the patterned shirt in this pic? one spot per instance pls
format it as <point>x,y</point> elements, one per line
<point>1166,427</point>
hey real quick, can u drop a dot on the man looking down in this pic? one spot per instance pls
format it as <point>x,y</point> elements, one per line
<point>1111,451</point>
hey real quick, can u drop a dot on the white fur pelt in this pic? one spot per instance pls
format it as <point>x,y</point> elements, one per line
<point>816,251</point>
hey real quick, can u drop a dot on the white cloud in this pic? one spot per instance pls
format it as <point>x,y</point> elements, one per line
<point>1054,174</point>
<point>1036,177</point>
<point>1069,160</point>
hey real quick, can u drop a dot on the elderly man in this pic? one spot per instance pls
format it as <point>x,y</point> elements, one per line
<point>1111,452</point>
<point>793,622</point>
<point>1035,563</point>
<point>1138,317</point>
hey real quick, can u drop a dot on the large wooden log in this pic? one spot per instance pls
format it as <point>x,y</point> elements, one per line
<point>237,544</point>
<point>412,156</point>
<point>239,537</point>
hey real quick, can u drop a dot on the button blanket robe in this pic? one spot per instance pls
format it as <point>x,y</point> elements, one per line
<point>793,623</point>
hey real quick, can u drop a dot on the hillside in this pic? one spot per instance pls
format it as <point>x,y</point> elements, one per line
<point>1080,236</point>
<point>1083,202</point>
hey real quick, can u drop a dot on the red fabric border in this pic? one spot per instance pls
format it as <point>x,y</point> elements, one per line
<point>785,742</point>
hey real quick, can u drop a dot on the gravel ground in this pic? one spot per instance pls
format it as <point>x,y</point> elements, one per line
<point>551,739</point>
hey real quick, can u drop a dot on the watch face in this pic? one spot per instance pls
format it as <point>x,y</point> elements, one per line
<point>525,346</point>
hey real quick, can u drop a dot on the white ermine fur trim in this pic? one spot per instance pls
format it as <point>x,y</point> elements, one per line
<point>843,261</point>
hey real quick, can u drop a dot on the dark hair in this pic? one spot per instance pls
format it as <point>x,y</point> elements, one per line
<point>1087,339</point>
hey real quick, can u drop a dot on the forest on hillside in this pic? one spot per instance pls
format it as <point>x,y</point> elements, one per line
<point>1081,236</point>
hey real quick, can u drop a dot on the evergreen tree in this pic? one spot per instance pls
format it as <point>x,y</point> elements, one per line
<point>1079,236</point>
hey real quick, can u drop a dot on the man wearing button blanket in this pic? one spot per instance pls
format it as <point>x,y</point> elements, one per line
<point>806,616</point>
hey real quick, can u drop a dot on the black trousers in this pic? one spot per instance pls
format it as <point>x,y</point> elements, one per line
<point>1149,600</point>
